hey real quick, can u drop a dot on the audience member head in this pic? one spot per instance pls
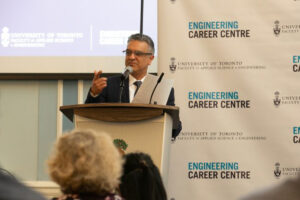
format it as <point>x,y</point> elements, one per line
<point>12,189</point>
<point>141,179</point>
<point>85,162</point>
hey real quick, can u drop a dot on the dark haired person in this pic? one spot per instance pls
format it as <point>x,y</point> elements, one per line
<point>139,55</point>
<point>141,179</point>
<point>12,189</point>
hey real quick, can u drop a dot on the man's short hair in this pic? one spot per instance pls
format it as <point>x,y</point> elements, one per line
<point>143,38</point>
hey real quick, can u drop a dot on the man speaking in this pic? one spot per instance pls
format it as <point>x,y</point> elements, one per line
<point>139,55</point>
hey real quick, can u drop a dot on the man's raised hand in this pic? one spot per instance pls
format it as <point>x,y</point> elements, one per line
<point>98,84</point>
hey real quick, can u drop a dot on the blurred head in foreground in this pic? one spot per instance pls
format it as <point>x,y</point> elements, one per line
<point>141,179</point>
<point>85,162</point>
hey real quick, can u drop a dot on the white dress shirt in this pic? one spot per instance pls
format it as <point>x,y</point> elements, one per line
<point>132,87</point>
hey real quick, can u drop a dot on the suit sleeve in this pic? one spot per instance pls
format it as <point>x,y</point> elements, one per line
<point>171,99</point>
<point>171,102</point>
<point>101,98</point>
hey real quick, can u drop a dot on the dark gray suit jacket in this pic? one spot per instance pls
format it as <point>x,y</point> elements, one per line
<point>12,189</point>
<point>111,94</point>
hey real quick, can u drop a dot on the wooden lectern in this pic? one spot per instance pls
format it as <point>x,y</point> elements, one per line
<point>145,127</point>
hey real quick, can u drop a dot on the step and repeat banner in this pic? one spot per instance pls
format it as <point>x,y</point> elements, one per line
<point>236,66</point>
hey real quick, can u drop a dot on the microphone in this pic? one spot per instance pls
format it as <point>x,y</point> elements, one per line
<point>160,77</point>
<point>126,73</point>
<point>158,81</point>
<point>124,76</point>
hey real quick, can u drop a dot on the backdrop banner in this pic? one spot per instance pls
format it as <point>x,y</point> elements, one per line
<point>236,71</point>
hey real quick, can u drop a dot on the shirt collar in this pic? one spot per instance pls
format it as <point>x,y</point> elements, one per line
<point>132,79</point>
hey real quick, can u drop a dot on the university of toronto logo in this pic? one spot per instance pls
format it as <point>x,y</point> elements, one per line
<point>172,65</point>
<point>276,29</point>
<point>276,100</point>
<point>277,171</point>
<point>5,37</point>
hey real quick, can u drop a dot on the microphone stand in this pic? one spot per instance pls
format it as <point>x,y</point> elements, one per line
<point>158,81</point>
<point>121,88</point>
<point>124,76</point>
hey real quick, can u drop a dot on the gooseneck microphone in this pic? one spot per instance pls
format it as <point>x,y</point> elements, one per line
<point>124,76</point>
<point>126,73</point>
<point>158,81</point>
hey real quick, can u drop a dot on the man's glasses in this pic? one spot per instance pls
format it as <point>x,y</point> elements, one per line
<point>136,53</point>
